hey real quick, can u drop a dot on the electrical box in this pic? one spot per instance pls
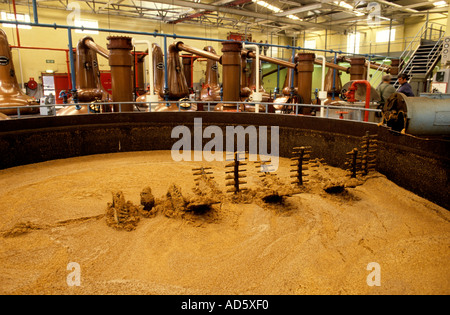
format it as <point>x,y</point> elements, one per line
<point>445,60</point>
<point>47,110</point>
<point>441,82</point>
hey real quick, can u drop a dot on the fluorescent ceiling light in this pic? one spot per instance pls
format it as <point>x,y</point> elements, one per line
<point>440,4</point>
<point>293,17</point>
<point>275,9</point>
<point>267,5</point>
<point>343,4</point>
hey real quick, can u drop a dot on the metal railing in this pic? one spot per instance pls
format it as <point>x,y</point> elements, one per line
<point>208,106</point>
<point>425,32</point>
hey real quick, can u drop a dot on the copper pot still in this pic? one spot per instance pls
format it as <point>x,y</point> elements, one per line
<point>158,74</point>
<point>10,93</point>
<point>211,89</point>
<point>178,89</point>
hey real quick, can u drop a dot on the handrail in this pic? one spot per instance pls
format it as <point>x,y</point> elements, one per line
<point>378,72</point>
<point>209,107</point>
<point>414,45</point>
<point>407,49</point>
<point>433,58</point>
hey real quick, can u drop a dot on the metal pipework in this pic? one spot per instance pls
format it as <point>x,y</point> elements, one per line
<point>395,67</point>
<point>333,66</point>
<point>245,90</point>
<point>98,49</point>
<point>231,68</point>
<point>417,115</point>
<point>121,63</point>
<point>322,93</point>
<point>158,77</point>
<point>257,96</point>
<point>211,89</point>
<point>150,61</point>
<point>207,54</point>
<point>86,83</point>
<point>279,62</point>
<point>305,69</point>
<point>352,91</point>
<point>371,65</point>
<point>357,68</point>
<point>10,92</point>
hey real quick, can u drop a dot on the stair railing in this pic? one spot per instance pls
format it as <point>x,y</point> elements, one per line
<point>434,55</point>
<point>412,47</point>
<point>378,72</point>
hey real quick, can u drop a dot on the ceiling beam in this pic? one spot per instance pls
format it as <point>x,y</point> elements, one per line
<point>238,12</point>
<point>302,8</point>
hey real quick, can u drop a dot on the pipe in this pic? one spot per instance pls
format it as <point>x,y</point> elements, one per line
<point>256,48</point>
<point>150,61</point>
<point>351,95</point>
<point>155,34</point>
<point>322,94</point>
<point>371,65</point>
<point>98,49</point>
<point>257,97</point>
<point>333,66</point>
<point>35,14</point>
<point>279,62</point>
<point>209,55</point>
<point>15,18</point>
<point>72,66</point>
<point>166,75</point>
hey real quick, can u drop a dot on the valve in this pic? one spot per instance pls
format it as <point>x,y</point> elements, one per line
<point>31,84</point>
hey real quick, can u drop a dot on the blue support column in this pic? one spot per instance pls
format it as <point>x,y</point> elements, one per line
<point>72,66</point>
<point>35,14</point>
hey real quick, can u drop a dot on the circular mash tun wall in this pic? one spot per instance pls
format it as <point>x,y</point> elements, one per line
<point>419,165</point>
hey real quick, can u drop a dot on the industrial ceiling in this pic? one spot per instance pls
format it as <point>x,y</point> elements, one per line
<point>286,17</point>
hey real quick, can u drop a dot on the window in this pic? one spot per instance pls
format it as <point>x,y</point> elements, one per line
<point>353,42</point>
<point>311,43</point>
<point>383,36</point>
<point>20,18</point>
<point>86,23</point>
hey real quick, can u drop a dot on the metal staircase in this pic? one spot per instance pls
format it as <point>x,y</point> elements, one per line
<point>422,55</point>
